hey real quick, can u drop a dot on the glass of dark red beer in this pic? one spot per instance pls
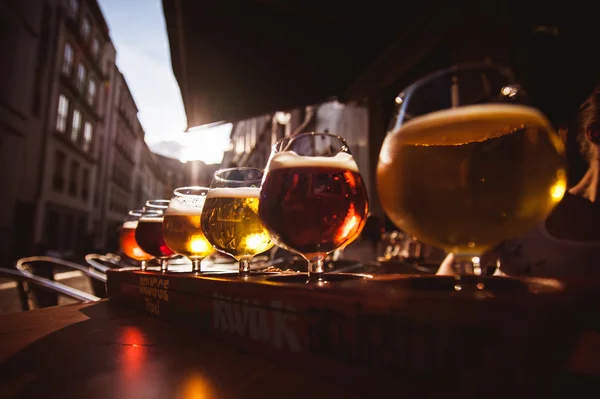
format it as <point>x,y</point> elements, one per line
<point>128,243</point>
<point>312,198</point>
<point>149,234</point>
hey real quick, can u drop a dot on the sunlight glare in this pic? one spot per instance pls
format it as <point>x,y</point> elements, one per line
<point>206,145</point>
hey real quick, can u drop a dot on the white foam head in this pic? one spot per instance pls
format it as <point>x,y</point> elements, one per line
<point>290,159</point>
<point>130,224</point>
<point>186,205</point>
<point>467,124</point>
<point>234,192</point>
<point>153,219</point>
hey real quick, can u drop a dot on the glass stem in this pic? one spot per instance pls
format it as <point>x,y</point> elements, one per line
<point>143,265</point>
<point>466,265</point>
<point>164,265</point>
<point>316,270</point>
<point>196,265</point>
<point>244,269</point>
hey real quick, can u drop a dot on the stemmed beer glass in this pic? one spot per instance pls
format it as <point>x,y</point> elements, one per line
<point>182,225</point>
<point>230,216</point>
<point>127,240</point>
<point>313,199</point>
<point>467,163</point>
<point>149,235</point>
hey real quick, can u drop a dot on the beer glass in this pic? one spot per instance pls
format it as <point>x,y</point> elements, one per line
<point>127,240</point>
<point>467,163</point>
<point>149,235</point>
<point>182,225</point>
<point>313,199</point>
<point>230,216</point>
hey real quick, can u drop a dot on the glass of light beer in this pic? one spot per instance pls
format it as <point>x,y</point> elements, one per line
<point>149,234</point>
<point>230,216</point>
<point>467,163</point>
<point>127,240</point>
<point>182,225</point>
<point>313,199</point>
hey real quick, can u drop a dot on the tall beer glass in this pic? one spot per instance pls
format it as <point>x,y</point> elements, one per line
<point>467,163</point>
<point>127,240</point>
<point>182,225</point>
<point>313,198</point>
<point>149,235</point>
<point>230,216</point>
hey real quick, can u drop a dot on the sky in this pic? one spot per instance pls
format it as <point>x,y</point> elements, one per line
<point>137,29</point>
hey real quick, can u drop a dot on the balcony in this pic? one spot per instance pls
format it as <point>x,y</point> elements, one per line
<point>77,147</point>
<point>80,95</point>
<point>85,47</point>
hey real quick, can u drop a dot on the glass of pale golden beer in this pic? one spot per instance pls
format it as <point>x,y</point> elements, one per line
<point>128,243</point>
<point>230,216</point>
<point>149,234</point>
<point>182,225</point>
<point>313,199</point>
<point>467,163</point>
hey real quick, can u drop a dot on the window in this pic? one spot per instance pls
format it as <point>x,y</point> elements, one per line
<point>91,93</point>
<point>81,77</point>
<point>88,133</point>
<point>239,144</point>
<point>95,47</point>
<point>85,182</point>
<point>73,178</point>
<point>85,28</point>
<point>76,126</point>
<point>63,111</point>
<point>73,8</point>
<point>67,60</point>
<point>58,177</point>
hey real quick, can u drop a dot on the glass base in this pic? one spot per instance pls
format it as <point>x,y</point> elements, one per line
<point>464,265</point>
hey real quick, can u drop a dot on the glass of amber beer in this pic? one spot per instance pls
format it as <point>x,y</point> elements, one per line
<point>127,240</point>
<point>149,234</point>
<point>182,225</point>
<point>230,216</point>
<point>313,199</point>
<point>467,163</point>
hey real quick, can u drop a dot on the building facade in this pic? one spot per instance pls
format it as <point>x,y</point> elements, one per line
<point>26,40</point>
<point>82,63</point>
<point>74,160</point>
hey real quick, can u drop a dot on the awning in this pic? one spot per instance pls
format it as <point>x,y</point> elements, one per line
<point>235,59</point>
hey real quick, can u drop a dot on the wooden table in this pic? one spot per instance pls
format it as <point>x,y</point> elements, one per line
<point>105,350</point>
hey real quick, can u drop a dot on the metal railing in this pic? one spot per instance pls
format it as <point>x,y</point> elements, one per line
<point>23,263</point>
<point>49,285</point>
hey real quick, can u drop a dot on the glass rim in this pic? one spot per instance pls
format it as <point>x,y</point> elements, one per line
<point>305,134</point>
<point>157,203</point>
<point>136,212</point>
<point>464,66</point>
<point>224,180</point>
<point>152,212</point>
<point>179,194</point>
<point>402,99</point>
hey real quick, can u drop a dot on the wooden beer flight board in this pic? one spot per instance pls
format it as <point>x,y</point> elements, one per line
<point>375,333</point>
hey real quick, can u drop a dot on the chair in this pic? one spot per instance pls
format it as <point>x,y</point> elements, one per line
<point>48,286</point>
<point>103,263</point>
<point>43,266</point>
